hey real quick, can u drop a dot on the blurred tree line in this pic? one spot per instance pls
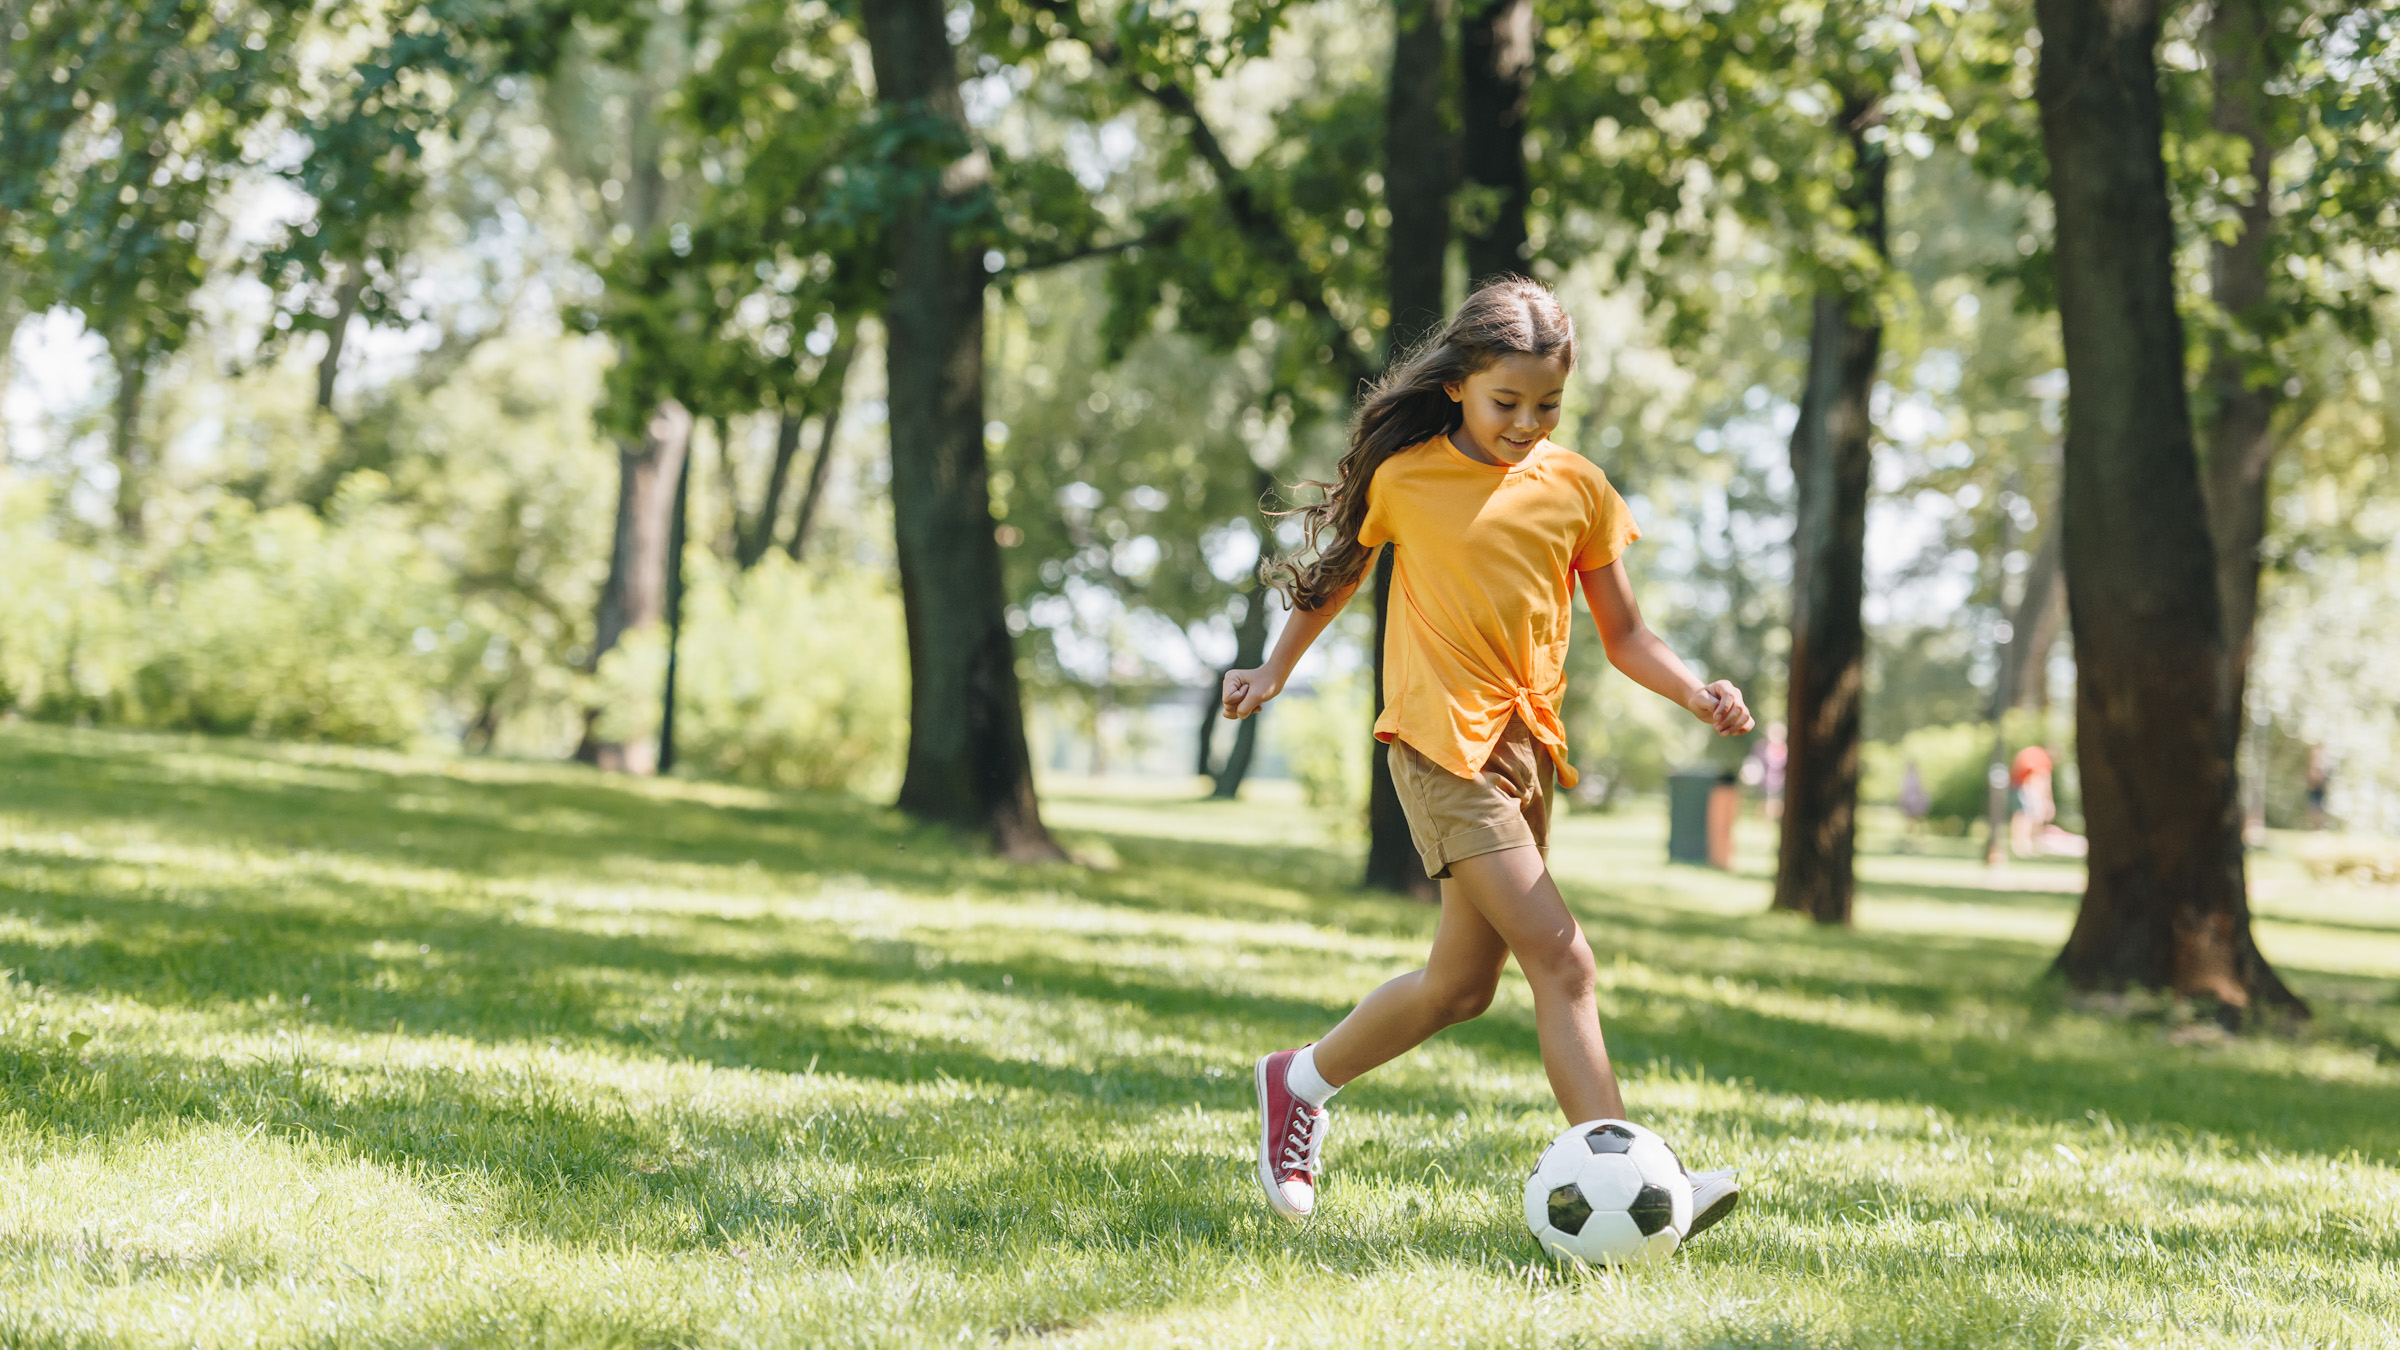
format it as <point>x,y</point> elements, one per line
<point>791,390</point>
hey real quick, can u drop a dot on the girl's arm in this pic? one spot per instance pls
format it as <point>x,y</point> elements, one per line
<point>1246,691</point>
<point>1646,660</point>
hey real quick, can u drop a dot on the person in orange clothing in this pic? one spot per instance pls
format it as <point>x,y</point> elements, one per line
<point>1494,526</point>
<point>2031,807</point>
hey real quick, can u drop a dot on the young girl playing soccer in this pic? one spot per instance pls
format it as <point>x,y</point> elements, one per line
<point>1448,462</point>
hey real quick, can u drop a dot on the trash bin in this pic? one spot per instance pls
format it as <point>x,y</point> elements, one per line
<point>1688,791</point>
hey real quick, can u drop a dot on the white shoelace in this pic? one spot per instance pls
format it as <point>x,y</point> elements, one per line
<point>1303,1140</point>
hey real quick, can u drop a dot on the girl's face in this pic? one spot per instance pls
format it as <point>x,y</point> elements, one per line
<point>1509,406</point>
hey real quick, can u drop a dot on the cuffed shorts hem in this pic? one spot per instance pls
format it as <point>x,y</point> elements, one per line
<point>1475,843</point>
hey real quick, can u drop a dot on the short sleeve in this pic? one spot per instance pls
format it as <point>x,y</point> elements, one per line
<point>1610,530</point>
<point>1377,527</point>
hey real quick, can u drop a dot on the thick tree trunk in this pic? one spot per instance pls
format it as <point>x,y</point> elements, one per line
<point>968,764</point>
<point>2241,402</point>
<point>1417,184</point>
<point>1832,456</point>
<point>1497,60</point>
<point>1393,863</point>
<point>2165,904</point>
<point>678,533</point>
<point>345,308</point>
<point>125,448</point>
<point>1418,171</point>
<point>635,596</point>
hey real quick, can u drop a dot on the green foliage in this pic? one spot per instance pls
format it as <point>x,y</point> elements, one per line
<point>278,623</point>
<point>786,675</point>
<point>1319,736</point>
<point>1953,762</point>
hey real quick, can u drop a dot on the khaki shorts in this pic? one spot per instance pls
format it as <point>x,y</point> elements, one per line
<point>1505,806</point>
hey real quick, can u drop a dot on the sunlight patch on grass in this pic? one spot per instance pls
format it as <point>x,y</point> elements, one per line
<point>300,1047</point>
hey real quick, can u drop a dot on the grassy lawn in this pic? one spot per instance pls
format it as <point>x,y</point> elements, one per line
<point>307,1048</point>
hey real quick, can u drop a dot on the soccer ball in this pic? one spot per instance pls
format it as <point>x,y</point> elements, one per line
<point>1608,1193</point>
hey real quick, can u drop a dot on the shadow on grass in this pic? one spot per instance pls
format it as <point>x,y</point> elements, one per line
<point>250,954</point>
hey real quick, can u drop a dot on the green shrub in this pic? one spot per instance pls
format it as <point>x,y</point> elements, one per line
<point>791,676</point>
<point>276,623</point>
<point>1953,761</point>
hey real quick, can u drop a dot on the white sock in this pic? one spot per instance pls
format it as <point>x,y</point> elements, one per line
<point>1306,1083</point>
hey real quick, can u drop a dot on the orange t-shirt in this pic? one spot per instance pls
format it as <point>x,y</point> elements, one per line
<point>1482,592</point>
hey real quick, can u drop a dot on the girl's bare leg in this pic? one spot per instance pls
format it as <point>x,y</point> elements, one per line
<point>1493,905</point>
<point>1455,986</point>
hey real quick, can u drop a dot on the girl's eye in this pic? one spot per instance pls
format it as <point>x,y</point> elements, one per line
<point>1503,406</point>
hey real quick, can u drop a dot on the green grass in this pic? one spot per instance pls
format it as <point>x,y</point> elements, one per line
<point>310,1048</point>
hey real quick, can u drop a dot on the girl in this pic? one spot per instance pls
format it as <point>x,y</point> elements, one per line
<point>1450,463</point>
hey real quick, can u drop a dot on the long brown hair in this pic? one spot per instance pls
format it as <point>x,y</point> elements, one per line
<point>1508,316</point>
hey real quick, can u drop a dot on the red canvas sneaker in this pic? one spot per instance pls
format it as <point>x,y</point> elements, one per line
<point>1291,1135</point>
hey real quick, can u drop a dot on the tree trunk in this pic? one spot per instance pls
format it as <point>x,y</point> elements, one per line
<point>2165,905</point>
<point>10,318</point>
<point>1393,863</point>
<point>1497,57</point>
<point>968,764</point>
<point>1417,186</point>
<point>2239,388</point>
<point>1418,170</point>
<point>1250,648</point>
<point>824,397</point>
<point>678,534</point>
<point>648,471</point>
<point>829,424</point>
<point>2033,625</point>
<point>758,533</point>
<point>125,440</point>
<point>728,543</point>
<point>345,308</point>
<point>1832,455</point>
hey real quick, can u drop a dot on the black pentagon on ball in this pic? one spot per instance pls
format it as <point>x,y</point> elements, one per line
<point>1652,1209</point>
<point>1569,1210</point>
<point>1609,1139</point>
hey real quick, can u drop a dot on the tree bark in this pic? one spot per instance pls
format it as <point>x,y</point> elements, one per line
<point>968,763</point>
<point>125,440</point>
<point>823,397</point>
<point>1417,182</point>
<point>1832,455</point>
<point>2033,625</point>
<point>2165,904</point>
<point>678,534</point>
<point>1250,649</point>
<point>2240,388</point>
<point>829,424</point>
<point>758,533</point>
<point>635,595</point>
<point>345,308</point>
<point>1419,170</point>
<point>1497,58</point>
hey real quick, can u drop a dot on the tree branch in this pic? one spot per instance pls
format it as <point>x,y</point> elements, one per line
<point>1164,232</point>
<point>1251,216</point>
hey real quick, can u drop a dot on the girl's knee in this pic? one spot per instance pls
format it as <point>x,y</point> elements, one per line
<point>1456,1003</point>
<point>1564,965</point>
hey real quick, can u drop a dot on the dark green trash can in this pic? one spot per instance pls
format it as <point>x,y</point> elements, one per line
<point>1687,814</point>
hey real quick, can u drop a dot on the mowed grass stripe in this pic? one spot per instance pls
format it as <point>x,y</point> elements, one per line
<point>301,1047</point>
